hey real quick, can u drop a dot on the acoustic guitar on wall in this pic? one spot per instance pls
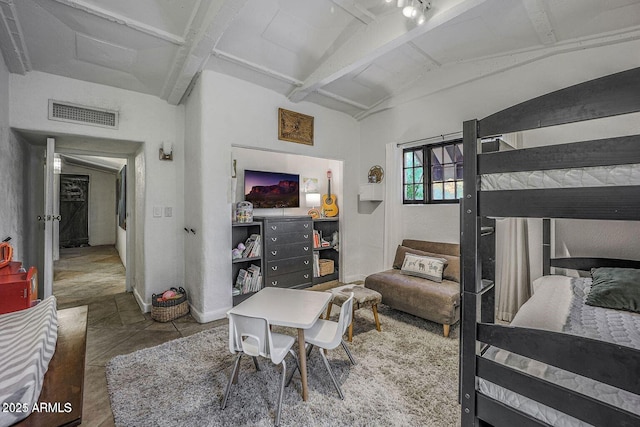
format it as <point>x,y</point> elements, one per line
<point>329,202</point>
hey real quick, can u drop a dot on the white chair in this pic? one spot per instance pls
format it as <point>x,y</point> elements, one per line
<point>253,337</point>
<point>327,335</point>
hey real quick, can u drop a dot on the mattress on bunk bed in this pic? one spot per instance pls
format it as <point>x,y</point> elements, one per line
<point>558,305</point>
<point>27,343</point>
<point>595,176</point>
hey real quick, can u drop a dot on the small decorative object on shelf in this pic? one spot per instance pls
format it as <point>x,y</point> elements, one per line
<point>376,173</point>
<point>314,213</point>
<point>244,212</point>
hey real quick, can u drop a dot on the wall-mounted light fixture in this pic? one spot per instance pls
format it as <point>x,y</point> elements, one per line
<point>164,154</point>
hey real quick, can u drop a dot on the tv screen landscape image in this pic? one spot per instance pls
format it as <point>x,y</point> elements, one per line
<point>271,189</point>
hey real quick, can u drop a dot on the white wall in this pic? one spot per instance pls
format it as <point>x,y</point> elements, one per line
<point>12,190</point>
<point>237,113</point>
<point>102,202</point>
<point>445,111</point>
<point>19,167</point>
<point>143,118</point>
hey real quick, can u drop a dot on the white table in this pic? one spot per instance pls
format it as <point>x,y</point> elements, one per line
<point>287,307</point>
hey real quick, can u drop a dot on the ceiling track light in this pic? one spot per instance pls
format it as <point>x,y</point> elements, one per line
<point>414,9</point>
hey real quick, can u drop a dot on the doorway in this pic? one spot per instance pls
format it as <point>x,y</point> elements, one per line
<point>43,221</point>
<point>91,261</point>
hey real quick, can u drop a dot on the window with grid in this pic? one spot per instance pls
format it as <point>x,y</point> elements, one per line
<point>433,173</point>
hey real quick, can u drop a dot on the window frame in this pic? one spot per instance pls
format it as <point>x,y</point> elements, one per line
<point>426,175</point>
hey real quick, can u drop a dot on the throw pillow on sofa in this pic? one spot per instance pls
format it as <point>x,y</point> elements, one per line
<point>423,266</point>
<point>451,268</point>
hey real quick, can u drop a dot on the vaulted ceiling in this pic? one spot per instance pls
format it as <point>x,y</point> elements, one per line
<point>355,56</point>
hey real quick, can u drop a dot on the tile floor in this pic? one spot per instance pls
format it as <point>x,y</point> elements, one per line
<point>94,276</point>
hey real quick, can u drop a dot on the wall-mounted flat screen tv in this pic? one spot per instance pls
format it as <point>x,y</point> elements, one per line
<point>271,189</point>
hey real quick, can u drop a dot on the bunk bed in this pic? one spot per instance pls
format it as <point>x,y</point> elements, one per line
<point>490,386</point>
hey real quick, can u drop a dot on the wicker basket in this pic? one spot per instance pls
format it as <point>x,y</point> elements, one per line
<point>166,311</point>
<point>326,267</point>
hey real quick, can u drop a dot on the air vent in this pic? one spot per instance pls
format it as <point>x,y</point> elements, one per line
<point>66,112</point>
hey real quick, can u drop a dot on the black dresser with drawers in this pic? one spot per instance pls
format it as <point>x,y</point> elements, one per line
<point>288,251</point>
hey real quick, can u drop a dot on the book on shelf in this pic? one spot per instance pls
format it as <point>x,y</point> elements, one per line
<point>253,282</point>
<point>316,239</point>
<point>256,251</point>
<point>316,264</point>
<point>249,280</point>
<point>252,246</point>
<point>242,276</point>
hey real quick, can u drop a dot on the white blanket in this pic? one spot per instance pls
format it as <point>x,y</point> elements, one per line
<point>27,343</point>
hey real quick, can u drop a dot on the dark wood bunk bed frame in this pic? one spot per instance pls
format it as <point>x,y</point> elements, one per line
<point>604,362</point>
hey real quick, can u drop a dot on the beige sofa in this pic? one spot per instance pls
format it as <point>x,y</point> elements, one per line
<point>437,302</point>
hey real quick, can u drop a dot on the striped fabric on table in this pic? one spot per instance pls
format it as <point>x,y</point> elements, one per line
<point>27,343</point>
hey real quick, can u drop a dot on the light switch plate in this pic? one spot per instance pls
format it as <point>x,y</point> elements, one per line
<point>168,211</point>
<point>157,211</point>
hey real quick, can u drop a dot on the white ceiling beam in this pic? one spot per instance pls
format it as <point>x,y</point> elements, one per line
<point>257,67</point>
<point>354,9</point>
<point>540,20</point>
<point>12,44</point>
<point>342,99</point>
<point>123,20</point>
<point>373,41</point>
<point>210,20</point>
<point>452,75</point>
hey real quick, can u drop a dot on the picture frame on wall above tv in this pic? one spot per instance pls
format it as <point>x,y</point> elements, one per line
<point>271,189</point>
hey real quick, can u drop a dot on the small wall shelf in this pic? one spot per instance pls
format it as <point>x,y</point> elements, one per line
<point>371,192</point>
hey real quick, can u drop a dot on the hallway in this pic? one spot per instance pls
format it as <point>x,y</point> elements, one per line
<point>86,273</point>
<point>94,276</point>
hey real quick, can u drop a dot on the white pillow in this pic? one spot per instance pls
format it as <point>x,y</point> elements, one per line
<point>423,266</point>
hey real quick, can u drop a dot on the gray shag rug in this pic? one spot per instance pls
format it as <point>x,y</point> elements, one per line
<point>407,375</point>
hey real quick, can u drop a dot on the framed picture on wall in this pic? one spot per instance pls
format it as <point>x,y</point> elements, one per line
<point>295,127</point>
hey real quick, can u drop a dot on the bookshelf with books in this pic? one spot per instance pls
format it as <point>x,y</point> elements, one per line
<point>326,245</point>
<point>247,259</point>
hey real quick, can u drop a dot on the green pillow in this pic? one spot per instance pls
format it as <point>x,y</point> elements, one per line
<point>617,288</point>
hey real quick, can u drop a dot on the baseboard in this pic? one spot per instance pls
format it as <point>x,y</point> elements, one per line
<point>208,316</point>
<point>355,278</point>
<point>145,307</point>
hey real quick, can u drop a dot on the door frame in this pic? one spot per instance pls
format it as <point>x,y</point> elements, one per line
<point>130,233</point>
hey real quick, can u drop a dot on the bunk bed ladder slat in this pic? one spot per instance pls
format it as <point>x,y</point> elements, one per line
<point>573,353</point>
<point>570,402</point>
<point>604,97</point>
